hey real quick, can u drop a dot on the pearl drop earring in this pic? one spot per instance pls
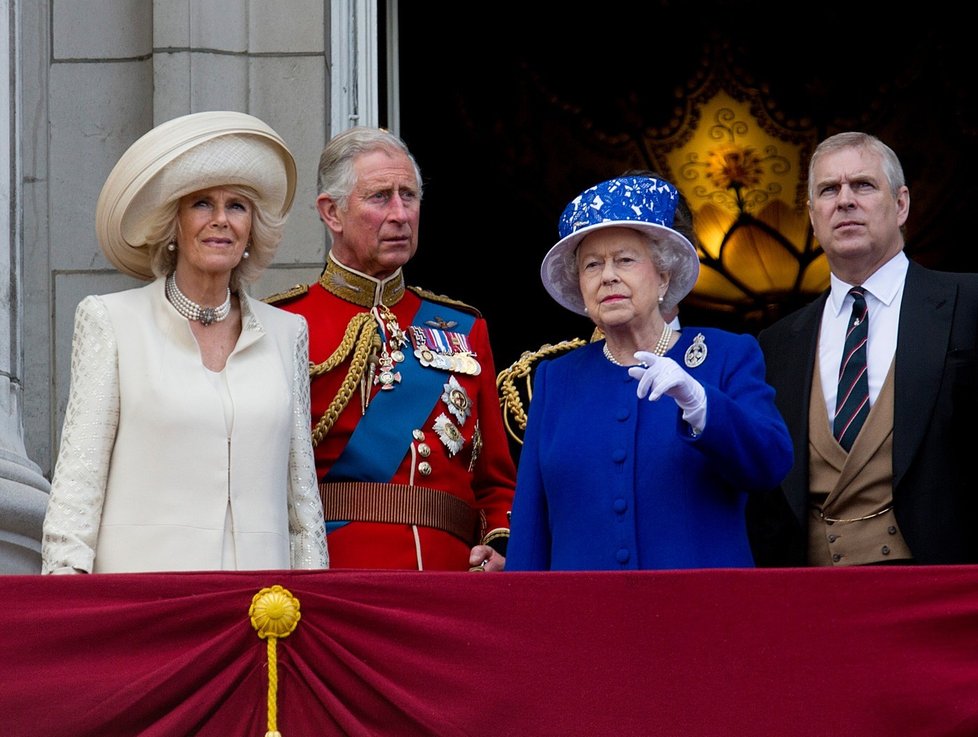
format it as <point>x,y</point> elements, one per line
<point>171,246</point>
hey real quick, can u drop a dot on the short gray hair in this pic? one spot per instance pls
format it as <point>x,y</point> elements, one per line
<point>337,177</point>
<point>892,169</point>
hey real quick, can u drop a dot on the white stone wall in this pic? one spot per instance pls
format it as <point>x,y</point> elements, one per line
<point>118,67</point>
<point>23,489</point>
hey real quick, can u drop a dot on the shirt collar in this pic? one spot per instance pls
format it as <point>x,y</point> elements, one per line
<point>883,284</point>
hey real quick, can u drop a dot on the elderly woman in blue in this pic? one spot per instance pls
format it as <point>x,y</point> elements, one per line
<point>640,450</point>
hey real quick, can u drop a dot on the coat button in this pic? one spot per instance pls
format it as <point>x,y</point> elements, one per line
<point>885,550</point>
<point>620,506</point>
<point>836,557</point>
<point>623,555</point>
<point>833,538</point>
<point>891,529</point>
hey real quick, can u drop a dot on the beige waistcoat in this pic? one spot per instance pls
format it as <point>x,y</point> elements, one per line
<point>851,520</point>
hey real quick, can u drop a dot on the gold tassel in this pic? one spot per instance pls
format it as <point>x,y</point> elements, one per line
<point>274,613</point>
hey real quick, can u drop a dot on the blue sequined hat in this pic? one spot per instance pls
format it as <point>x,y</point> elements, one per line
<point>643,203</point>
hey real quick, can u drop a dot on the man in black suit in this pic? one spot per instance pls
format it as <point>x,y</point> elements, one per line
<point>906,490</point>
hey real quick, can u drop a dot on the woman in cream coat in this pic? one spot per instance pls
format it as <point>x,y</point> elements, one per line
<point>186,444</point>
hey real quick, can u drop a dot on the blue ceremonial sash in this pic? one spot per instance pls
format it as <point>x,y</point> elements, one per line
<point>382,438</point>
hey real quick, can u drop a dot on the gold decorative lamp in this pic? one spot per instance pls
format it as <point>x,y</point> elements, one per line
<point>744,175</point>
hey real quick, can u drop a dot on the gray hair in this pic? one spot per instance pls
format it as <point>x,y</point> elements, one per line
<point>674,260</point>
<point>668,256</point>
<point>892,169</point>
<point>337,177</point>
<point>266,235</point>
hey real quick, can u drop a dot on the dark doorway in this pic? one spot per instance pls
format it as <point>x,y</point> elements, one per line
<point>512,109</point>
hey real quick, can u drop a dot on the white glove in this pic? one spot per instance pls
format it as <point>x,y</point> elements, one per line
<point>664,376</point>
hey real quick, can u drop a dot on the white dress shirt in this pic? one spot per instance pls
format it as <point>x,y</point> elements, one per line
<point>884,295</point>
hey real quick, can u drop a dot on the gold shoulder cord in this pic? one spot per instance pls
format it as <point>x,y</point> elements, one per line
<point>361,332</point>
<point>510,398</point>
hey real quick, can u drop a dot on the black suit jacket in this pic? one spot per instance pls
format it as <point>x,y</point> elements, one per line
<point>935,484</point>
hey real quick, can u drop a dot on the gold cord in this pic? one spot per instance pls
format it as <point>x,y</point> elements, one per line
<point>274,613</point>
<point>362,341</point>
<point>510,399</point>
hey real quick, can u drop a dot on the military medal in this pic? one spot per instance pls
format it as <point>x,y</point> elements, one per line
<point>384,373</point>
<point>387,377</point>
<point>457,400</point>
<point>450,435</point>
<point>464,355</point>
<point>444,350</point>
<point>696,353</point>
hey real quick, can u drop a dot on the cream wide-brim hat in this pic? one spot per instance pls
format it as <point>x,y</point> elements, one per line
<point>184,155</point>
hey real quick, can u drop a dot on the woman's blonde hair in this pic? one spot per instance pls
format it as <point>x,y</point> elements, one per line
<point>265,237</point>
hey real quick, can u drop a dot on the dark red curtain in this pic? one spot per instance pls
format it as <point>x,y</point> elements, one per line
<point>741,653</point>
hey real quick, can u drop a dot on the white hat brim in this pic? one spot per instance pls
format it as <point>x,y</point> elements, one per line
<point>135,189</point>
<point>559,270</point>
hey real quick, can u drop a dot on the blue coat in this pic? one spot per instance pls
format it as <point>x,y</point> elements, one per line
<point>608,481</point>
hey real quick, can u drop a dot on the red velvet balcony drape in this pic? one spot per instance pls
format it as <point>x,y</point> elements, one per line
<point>888,651</point>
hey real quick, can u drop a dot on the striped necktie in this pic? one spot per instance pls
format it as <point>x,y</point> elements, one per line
<point>852,399</point>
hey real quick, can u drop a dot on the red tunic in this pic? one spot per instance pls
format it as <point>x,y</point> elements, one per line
<point>483,477</point>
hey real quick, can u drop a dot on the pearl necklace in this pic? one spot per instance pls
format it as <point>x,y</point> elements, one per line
<point>193,311</point>
<point>661,346</point>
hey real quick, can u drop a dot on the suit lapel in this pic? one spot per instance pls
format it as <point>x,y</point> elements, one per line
<point>922,345</point>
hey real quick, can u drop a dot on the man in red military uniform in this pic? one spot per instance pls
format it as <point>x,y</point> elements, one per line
<point>413,461</point>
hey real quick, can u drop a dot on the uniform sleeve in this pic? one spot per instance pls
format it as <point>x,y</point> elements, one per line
<point>74,512</point>
<point>307,528</point>
<point>495,473</point>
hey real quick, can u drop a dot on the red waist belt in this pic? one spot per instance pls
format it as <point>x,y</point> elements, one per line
<point>362,501</point>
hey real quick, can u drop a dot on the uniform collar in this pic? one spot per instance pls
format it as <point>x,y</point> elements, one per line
<point>359,288</point>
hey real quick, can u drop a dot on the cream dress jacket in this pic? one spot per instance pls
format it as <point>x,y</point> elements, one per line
<point>148,478</point>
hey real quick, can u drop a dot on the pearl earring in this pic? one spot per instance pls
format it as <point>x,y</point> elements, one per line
<point>245,254</point>
<point>171,246</point>
<point>660,299</point>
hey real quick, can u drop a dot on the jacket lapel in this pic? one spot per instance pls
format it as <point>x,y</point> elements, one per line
<point>922,346</point>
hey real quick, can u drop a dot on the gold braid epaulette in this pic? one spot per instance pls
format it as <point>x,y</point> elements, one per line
<point>510,399</point>
<point>297,291</point>
<point>360,337</point>
<point>441,298</point>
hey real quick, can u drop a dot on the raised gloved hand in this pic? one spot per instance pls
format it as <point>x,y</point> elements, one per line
<point>660,375</point>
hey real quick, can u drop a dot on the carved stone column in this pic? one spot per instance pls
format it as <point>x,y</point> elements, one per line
<point>23,488</point>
